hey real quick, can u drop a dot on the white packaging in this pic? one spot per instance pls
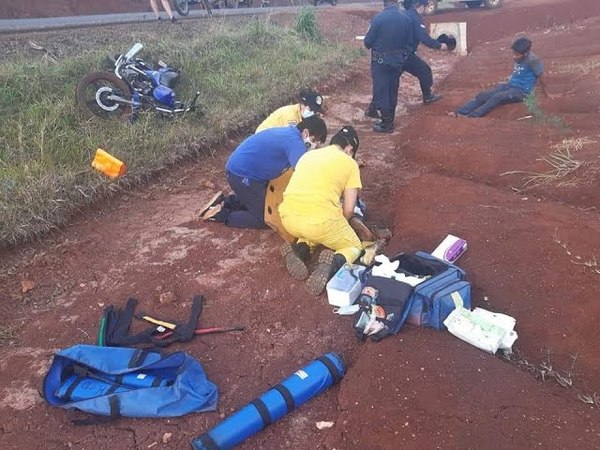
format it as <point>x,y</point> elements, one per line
<point>344,287</point>
<point>483,329</point>
<point>450,249</point>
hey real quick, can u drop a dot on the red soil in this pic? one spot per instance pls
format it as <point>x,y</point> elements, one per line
<point>435,175</point>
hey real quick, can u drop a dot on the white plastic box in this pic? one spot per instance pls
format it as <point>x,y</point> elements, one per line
<point>345,286</point>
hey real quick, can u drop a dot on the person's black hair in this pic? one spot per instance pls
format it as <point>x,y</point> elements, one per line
<point>345,137</point>
<point>315,126</point>
<point>521,45</point>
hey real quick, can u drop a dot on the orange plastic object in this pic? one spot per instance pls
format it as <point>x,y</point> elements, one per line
<point>109,165</point>
<point>273,199</point>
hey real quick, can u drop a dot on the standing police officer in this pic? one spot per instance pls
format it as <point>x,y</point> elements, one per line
<point>388,38</point>
<point>415,65</point>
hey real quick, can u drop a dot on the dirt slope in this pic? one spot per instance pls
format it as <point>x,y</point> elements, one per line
<point>423,388</point>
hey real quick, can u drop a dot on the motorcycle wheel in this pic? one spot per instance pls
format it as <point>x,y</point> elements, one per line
<point>92,90</point>
<point>182,7</point>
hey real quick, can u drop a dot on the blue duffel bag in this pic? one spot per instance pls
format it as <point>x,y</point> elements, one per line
<point>428,303</point>
<point>437,297</point>
<point>117,381</point>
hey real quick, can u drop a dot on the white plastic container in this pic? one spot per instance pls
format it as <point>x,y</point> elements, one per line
<point>345,286</point>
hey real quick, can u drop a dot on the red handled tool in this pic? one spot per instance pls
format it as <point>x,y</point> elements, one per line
<point>202,331</point>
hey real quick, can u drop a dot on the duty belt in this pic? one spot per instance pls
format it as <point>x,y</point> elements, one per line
<point>378,56</point>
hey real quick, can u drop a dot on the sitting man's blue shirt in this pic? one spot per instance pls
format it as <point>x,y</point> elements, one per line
<point>526,73</point>
<point>266,155</point>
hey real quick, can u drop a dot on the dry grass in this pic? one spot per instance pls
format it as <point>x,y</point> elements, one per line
<point>545,370</point>
<point>8,335</point>
<point>581,69</point>
<point>563,166</point>
<point>591,263</point>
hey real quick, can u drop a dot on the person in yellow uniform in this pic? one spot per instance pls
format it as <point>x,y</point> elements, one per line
<point>310,104</point>
<point>317,204</point>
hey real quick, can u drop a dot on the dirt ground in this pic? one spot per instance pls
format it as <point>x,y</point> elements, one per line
<point>532,254</point>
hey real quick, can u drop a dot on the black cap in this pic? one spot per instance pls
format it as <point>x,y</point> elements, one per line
<point>448,40</point>
<point>313,100</point>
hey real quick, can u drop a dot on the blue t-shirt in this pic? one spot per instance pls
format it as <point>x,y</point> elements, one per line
<point>526,73</point>
<point>267,154</point>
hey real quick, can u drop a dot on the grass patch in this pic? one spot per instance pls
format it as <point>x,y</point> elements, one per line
<point>306,24</point>
<point>243,71</point>
<point>534,108</point>
<point>563,166</point>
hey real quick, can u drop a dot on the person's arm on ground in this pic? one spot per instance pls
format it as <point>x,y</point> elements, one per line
<point>349,203</point>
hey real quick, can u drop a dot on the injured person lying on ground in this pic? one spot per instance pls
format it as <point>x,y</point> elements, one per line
<point>260,158</point>
<point>312,213</point>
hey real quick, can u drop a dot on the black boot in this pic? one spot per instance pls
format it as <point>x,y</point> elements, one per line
<point>386,125</point>
<point>329,263</point>
<point>295,256</point>
<point>372,112</point>
<point>431,98</point>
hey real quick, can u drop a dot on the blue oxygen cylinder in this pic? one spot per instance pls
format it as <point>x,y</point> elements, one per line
<point>281,399</point>
<point>137,380</point>
<point>77,388</point>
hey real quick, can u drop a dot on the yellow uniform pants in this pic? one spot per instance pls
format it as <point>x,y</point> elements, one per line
<point>335,234</point>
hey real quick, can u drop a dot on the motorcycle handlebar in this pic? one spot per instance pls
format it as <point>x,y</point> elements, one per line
<point>133,51</point>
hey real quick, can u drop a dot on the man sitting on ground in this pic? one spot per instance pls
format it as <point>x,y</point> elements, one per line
<point>310,104</point>
<point>527,72</point>
<point>258,159</point>
<point>311,210</point>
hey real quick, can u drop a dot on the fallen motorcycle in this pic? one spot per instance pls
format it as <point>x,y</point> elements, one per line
<point>132,86</point>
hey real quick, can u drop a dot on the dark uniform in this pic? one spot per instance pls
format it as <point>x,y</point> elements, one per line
<point>415,65</point>
<point>388,38</point>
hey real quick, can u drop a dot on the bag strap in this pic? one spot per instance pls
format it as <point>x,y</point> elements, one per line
<point>208,442</point>
<point>333,370</point>
<point>184,332</point>
<point>115,413</point>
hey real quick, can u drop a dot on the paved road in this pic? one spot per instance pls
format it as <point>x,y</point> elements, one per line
<point>48,23</point>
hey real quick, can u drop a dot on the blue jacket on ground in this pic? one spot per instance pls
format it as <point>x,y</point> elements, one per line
<point>267,154</point>
<point>390,31</point>
<point>420,33</point>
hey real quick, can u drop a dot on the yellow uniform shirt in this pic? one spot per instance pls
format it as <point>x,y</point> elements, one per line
<point>282,117</point>
<point>318,183</point>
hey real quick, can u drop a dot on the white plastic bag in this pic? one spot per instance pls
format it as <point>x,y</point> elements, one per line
<point>483,329</point>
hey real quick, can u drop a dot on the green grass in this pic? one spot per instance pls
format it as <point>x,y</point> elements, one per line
<point>46,145</point>
<point>540,116</point>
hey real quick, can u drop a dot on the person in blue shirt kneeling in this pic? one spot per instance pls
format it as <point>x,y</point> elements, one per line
<point>259,159</point>
<point>528,71</point>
